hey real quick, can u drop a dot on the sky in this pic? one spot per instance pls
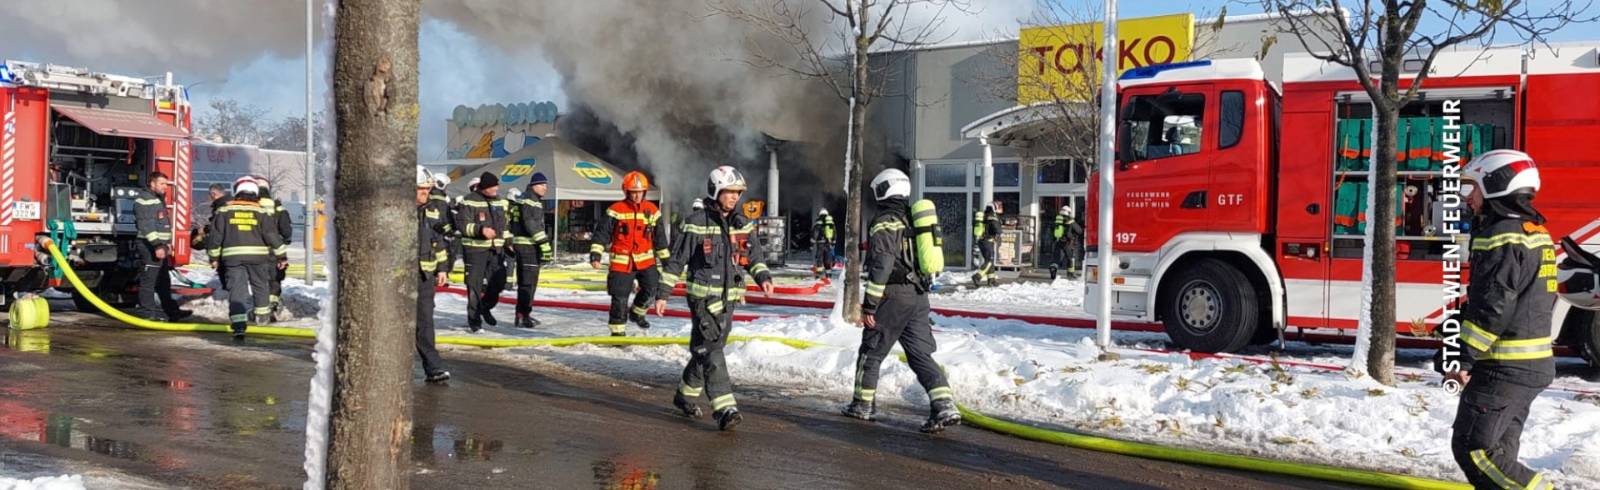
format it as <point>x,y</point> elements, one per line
<point>253,51</point>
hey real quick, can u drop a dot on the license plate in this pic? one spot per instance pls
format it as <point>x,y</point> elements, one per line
<point>25,210</point>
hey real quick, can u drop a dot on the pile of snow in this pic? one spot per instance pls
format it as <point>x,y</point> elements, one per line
<point>63,482</point>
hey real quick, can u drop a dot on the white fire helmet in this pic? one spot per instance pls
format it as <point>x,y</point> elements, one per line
<point>698,204</point>
<point>823,212</point>
<point>724,178</point>
<point>441,180</point>
<point>1502,172</point>
<point>1577,278</point>
<point>1067,211</point>
<point>891,183</point>
<point>424,178</point>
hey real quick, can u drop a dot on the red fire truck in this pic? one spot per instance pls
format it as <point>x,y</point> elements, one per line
<point>1240,206</point>
<point>76,147</point>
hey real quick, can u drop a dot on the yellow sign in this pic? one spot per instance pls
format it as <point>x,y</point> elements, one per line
<point>1061,62</point>
<point>754,207</point>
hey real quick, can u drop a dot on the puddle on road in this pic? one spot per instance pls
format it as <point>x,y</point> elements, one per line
<point>615,475</point>
<point>436,443</point>
<point>34,341</point>
<point>21,423</point>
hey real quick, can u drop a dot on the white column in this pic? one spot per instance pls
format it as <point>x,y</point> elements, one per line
<point>916,180</point>
<point>1108,135</point>
<point>986,194</point>
<point>311,159</point>
<point>772,182</point>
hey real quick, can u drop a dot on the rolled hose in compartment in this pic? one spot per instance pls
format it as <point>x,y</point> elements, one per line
<point>1081,441</point>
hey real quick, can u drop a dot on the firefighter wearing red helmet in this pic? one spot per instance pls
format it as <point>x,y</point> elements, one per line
<point>1507,358</point>
<point>634,235</point>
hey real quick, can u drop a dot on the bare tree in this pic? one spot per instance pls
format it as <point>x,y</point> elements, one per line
<point>832,47</point>
<point>375,99</point>
<point>230,122</point>
<point>1380,35</point>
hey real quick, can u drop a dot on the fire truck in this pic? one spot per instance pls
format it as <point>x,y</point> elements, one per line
<point>1240,202</point>
<point>76,147</point>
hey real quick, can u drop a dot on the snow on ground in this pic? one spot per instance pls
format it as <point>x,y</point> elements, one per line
<point>1052,377</point>
<point>63,482</point>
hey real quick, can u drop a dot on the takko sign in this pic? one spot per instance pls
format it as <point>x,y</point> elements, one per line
<point>1060,62</point>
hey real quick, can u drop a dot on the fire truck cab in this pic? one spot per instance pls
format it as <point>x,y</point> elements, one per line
<point>1240,203</point>
<point>76,147</point>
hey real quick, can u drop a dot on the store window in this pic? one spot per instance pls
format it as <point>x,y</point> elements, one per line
<point>1061,171</point>
<point>945,175</point>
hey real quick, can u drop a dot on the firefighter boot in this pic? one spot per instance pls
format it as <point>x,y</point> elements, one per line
<point>525,321</point>
<point>688,407</point>
<point>943,414</point>
<point>488,318</point>
<point>863,410</point>
<point>1053,271</point>
<point>261,319</point>
<point>727,418</point>
<point>238,331</point>
<point>644,324</point>
<point>438,377</point>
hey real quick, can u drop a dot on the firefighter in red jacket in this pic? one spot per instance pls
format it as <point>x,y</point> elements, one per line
<point>634,234</point>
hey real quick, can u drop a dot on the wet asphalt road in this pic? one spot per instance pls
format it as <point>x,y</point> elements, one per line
<point>204,412</point>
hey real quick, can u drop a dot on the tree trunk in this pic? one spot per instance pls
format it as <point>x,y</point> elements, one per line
<point>1380,357</point>
<point>852,179</point>
<point>375,94</point>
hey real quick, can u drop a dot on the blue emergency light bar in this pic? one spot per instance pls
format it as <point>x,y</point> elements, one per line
<point>1145,72</point>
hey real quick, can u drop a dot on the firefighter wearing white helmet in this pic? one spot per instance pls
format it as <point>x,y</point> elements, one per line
<point>1506,356</point>
<point>895,307</point>
<point>431,254</point>
<point>1067,235</point>
<point>248,251</point>
<point>822,240</point>
<point>712,256</point>
<point>285,224</point>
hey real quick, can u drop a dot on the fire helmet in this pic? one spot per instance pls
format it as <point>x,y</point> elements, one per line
<point>891,183</point>
<point>635,181</point>
<point>425,178</point>
<point>1067,211</point>
<point>1502,172</point>
<point>246,185</point>
<point>1578,276</point>
<point>724,178</point>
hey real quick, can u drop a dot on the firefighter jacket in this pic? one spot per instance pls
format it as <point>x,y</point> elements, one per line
<point>527,222</point>
<point>477,212</point>
<point>432,251</point>
<point>151,220</point>
<point>889,257</point>
<point>823,232</point>
<point>713,255</point>
<point>1066,229</point>
<point>439,208</point>
<point>280,217</point>
<point>986,225</point>
<point>634,235</point>
<point>244,233</point>
<point>1510,298</point>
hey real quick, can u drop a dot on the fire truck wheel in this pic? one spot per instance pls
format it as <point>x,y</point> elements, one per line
<point>1211,307</point>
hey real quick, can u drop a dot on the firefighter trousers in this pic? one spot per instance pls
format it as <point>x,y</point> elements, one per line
<point>155,282</point>
<point>1487,433</point>
<point>902,317</point>
<point>711,321</point>
<point>823,256</point>
<point>249,291</point>
<point>1068,256</point>
<point>277,286</point>
<point>486,278</point>
<point>986,256</point>
<point>431,364</point>
<point>527,277</point>
<point>619,285</point>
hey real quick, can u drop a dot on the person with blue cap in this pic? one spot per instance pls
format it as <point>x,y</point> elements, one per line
<point>531,245</point>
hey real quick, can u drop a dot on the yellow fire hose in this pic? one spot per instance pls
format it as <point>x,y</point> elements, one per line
<point>969,417</point>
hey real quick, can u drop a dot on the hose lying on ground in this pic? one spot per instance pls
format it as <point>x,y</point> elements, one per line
<point>1094,443</point>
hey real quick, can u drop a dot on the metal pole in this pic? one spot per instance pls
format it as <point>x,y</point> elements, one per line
<point>986,189</point>
<point>311,159</point>
<point>1108,135</point>
<point>772,182</point>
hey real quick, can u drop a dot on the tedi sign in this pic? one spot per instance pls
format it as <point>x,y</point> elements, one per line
<point>1061,62</point>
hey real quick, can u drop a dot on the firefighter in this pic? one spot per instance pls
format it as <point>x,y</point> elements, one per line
<point>1068,236</point>
<point>822,244</point>
<point>432,225</point>
<point>285,226</point>
<point>153,224</point>
<point>1506,354</point>
<point>531,246</point>
<point>985,228</point>
<point>632,231</point>
<point>483,223</point>
<point>218,194</point>
<point>895,308</point>
<point>713,256</point>
<point>440,203</point>
<point>245,249</point>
